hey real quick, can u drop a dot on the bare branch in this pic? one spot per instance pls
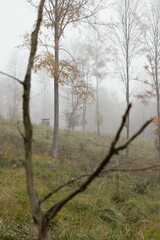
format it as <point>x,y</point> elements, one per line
<point>120,148</point>
<point>62,186</point>
<point>112,151</point>
<point>154,167</point>
<point>122,124</point>
<point>10,76</point>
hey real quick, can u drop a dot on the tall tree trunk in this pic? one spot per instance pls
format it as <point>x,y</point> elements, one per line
<point>54,150</point>
<point>97,106</point>
<point>84,115</point>
<point>128,118</point>
<point>158,99</point>
<point>158,115</point>
<point>127,42</point>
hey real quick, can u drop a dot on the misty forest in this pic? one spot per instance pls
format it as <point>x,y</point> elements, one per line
<point>80,122</point>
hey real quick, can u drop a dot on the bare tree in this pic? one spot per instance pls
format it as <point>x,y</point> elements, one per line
<point>15,69</point>
<point>81,92</point>
<point>151,49</point>
<point>95,60</point>
<point>84,64</point>
<point>11,95</point>
<point>125,35</point>
<point>99,75</point>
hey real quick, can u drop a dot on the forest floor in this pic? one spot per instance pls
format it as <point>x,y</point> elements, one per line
<point>117,205</point>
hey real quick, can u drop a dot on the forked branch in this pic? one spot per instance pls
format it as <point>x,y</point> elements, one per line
<point>112,151</point>
<point>62,186</point>
<point>154,167</point>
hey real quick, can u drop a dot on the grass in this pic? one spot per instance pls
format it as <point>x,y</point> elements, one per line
<point>116,206</point>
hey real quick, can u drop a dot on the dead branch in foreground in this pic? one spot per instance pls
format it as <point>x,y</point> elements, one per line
<point>154,167</point>
<point>52,212</point>
<point>36,210</point>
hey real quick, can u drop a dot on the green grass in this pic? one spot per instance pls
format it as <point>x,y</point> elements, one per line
<point>116,206</point>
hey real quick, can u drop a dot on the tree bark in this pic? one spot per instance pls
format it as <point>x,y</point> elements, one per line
<point>157,96</point>
<point>97,106</point>
<point>54,150</point>
<point>127,42</point>
<point>127,100</point>
<point>43,230</point>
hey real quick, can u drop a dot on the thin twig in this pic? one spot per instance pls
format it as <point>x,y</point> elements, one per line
<point>10,76</point>
<point>62,186</point>
<point>154,167</point>
<point>120,148</point>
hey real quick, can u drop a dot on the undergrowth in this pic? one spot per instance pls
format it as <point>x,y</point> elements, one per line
<point>116,206</point>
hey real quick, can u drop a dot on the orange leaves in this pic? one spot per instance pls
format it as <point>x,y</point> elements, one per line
<point>66,70</point>
<point>146,96</point>
<point>64,12</point>
<point>45,61</point>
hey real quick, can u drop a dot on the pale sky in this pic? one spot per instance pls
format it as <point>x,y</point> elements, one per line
<point>16,17</point>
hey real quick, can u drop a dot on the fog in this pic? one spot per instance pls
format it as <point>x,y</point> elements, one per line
<point>112,103</point>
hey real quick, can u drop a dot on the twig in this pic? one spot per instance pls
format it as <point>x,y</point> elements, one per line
<point>120,148</point>
<point>10,76</point>
<point>62,186</point>
<point>154,167</point>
